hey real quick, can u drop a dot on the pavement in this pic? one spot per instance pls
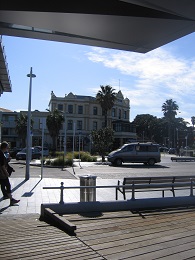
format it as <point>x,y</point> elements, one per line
<point>32,192</point>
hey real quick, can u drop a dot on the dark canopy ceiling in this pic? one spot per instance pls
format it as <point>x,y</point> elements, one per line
<point>131,25</point>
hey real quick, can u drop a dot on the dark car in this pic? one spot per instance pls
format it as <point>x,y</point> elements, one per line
<point>45,150</point>
<point>35,152</point>
<point>172,151</point>
<point>14,151</point>
<point>164,149</point>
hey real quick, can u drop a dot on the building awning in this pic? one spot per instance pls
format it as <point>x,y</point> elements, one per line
<point>5,82</point>
<point>131,25</point>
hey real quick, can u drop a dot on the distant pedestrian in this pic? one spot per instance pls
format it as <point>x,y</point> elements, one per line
<point>181,150</point>
<point>177,151</point>
<point>4,175</point>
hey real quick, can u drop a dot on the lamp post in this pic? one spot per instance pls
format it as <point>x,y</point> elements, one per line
<point>64,138</point>
<point>28,154</point>
<point>64,133</point>
<point>186,144</point>
<point>64,113</point>
<point>177,136</point>
<point>73,137</point>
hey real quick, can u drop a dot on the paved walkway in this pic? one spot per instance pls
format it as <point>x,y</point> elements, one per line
<point>32,195</point>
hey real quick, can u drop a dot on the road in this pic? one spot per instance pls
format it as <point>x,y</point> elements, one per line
<point>106,171</point>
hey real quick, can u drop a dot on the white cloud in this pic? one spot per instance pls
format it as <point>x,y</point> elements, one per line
<point>153,77</point>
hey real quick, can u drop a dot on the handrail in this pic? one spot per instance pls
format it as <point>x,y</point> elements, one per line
<point>132,186</point>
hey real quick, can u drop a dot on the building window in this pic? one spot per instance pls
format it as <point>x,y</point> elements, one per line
<point>94,125</point>
<point>95,110</point>
<point>125,114</point>
<point>5,131</point>
<point>119,114</point>
<point>70,109</point>
<point>70,124</point>
<point>60,107</point>
<point>79,125</point>
<point>5,118</point>
<point>12,131</point>
<point>80,109</point>
<point>113,112</point>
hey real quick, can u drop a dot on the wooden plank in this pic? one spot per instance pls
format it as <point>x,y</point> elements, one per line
<point>145,236</point>
<point>110,235</point>
<point>29,238</point>
<point>59,220</point>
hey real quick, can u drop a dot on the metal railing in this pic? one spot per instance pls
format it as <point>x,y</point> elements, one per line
<point>132,186</point>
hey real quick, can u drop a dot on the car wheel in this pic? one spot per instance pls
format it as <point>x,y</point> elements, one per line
<point>151,162</point>
<point>118,162</point>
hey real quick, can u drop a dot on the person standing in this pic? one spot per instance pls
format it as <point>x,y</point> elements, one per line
<point>4,175</point>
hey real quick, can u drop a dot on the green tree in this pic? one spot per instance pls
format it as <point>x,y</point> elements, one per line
<point>103,140</point>
<point>193,121</point>
<point>170,109</point>
<point>54,123</point>
<point>21,127</point>
<point>147,127</point>
<point>106,98</point>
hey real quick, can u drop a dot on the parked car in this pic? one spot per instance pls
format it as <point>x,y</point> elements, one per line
<point>164,149</point>
<point>35,152</point>
<point>172,151</point>
<point>45,150</point>
<point>14,151</point>
<point>147,153</point>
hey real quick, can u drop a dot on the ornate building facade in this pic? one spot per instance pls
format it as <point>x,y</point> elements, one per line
<point>84,114</point>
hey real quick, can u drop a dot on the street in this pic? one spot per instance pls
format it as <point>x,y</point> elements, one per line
<point>106,171</point>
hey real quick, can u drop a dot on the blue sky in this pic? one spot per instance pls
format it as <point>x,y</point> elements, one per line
<point>148,80</point>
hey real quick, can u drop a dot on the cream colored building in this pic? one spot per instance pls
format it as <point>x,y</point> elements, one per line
<point>84,114</point>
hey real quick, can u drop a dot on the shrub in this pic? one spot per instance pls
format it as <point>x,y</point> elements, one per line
<point>67,160</point>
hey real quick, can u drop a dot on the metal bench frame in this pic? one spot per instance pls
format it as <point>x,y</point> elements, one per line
<point>148,184</point>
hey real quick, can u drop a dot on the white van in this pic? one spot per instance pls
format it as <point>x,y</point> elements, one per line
<point>147,153</point>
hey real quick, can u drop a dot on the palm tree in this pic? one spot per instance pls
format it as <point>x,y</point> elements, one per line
<point>106,98</point>
<point>169,109</point>
<point>193,121</point>
<point>21,127</point>
<point>54,123</point>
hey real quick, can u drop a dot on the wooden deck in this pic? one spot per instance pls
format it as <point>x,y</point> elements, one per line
<point>143,235</point>
<point>152,235</point>
<point>25,237</point>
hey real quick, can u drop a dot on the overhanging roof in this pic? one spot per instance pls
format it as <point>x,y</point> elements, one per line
<point>131,25</point>
<point>5,83</point>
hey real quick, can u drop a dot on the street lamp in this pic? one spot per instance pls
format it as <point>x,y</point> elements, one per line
<point>28,154</point>
<point>64,133</point>
<point>186,143</point>
<point>64,137</point>
<point>177,136</point>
